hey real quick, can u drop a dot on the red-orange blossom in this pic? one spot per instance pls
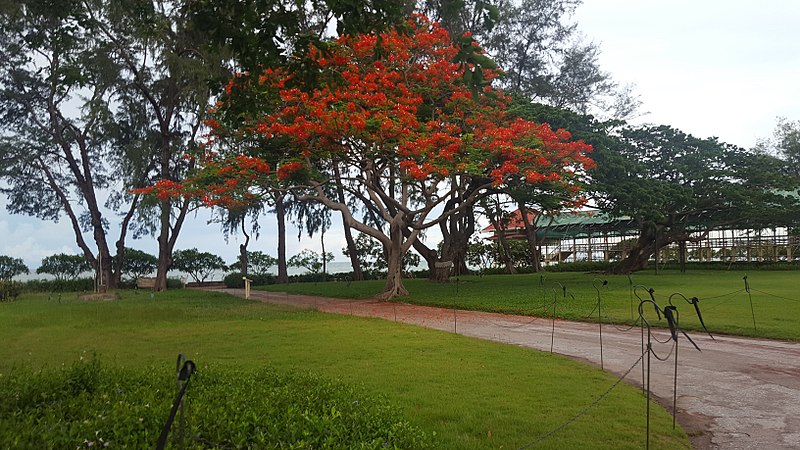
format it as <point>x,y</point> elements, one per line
<point>399,95</point>
<point>401,120</point>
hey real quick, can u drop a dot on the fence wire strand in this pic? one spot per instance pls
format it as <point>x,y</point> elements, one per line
<point>582,412</point>
<point>776,296</point>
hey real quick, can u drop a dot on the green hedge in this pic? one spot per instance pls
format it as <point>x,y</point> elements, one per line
<point>235,281</point>
<point>93,405</point>
<point>76,285</point>
<point>81,285</point>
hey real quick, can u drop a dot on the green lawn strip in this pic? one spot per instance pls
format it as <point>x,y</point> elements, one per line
<point>723,302</point>
<point>472,393</point>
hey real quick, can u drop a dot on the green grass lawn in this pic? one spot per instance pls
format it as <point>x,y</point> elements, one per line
<point>471,393</point>
<point>724,304</point>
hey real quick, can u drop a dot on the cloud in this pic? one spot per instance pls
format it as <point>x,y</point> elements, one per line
<point>31,241</point>
<point>713,68</point>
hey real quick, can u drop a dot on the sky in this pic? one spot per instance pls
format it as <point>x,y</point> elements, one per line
<point>711,68</point>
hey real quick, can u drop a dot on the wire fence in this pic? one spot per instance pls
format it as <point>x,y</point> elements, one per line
<point>583,411</point>
<point>549,302</point>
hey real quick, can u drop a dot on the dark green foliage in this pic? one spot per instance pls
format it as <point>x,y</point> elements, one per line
<point>580,266</point>
<point>262,33</point>
<point>540,49</point>
<point>673,184</point>
<point>487,255</point>
<point>81,285</point>
<point>11,267</point>
<point>93,405</point>
<point>64,267</point>
<point>56,121</point>
<point>174,283</point>
<point>258,264</point>
<point>234,280</point>
<point>9,290</point>
<point>310,260</point>
<point>199,265</point>
<point>137,263</point>
<point>786,144</point>
<point>75,285</point>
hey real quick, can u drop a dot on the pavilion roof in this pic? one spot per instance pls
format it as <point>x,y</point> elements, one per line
<point>567,224</point>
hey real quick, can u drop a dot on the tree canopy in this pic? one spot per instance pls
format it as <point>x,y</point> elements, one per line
<point>310,260</point>
<point>676,186</point>
<point>64,267</point>
<point>199,265</point>
<point>403,116</point>
<point>57,80</point>
<point>259,263</point>
<point>137,264</point>
<point>10,267</point>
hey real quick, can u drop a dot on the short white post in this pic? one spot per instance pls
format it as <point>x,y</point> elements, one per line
<point>246,288</point>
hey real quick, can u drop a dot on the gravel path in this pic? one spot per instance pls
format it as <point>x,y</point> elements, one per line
<point>738,393</point>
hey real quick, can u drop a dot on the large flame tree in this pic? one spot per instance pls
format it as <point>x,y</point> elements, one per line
<point>400,121</point>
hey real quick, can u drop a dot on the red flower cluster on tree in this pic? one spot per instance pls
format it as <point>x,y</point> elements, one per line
<point>398,96</point>
<point>286,171</point>
<point>228,183</point>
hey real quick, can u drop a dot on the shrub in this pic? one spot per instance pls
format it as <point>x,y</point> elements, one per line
<point>581,266</point>
<point>235,281</point>
<point>9,290</point>
<point>76,285</point>
<point>93,405</point>
<point>174,283</point>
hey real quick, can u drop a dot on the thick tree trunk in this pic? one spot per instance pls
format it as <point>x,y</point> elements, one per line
<point>322,248</point>
<point>120,244</point>
<point>429,255</point>
<point>453,250</point>
<point>244,260</point>
<point>505,251</point>
<point>280,212</point>
<point>651,239</point>
<point>637,259</point>
<point>394,276</point>
<point>456,231</point>
<point>358,274</point>
<point>530,235</point>
<point>106,269</point>
<point>164,254</point>
<point>454,247</point>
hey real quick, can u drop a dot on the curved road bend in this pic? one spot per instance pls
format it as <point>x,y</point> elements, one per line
<point>738,393</point>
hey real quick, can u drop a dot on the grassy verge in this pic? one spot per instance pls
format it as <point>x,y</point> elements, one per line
<point>724,303</point>
<point>471,393</point>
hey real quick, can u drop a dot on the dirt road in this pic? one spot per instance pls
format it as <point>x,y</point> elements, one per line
<point>738,393</point>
